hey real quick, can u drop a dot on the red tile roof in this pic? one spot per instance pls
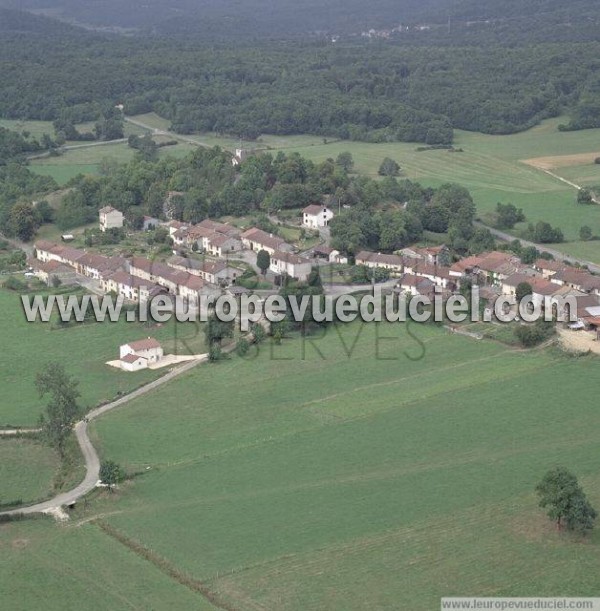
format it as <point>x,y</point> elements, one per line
<point>144,344</point>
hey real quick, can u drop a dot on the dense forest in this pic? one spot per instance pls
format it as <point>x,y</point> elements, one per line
<point>373,91</point>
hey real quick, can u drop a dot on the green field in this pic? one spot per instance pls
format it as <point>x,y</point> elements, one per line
<point>490,166</point>
<point>43,566</point>
<point>83,350</point>
<point>291,481</point>
<point>304,479</point>
<point>27,468</point>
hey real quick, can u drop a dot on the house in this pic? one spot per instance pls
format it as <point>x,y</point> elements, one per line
<point>438,274</point>
<point>175,226</point>
<point>48,251</point>
<point>149,349</point>
<point>192,287</point>
<point>316,216</point>
<point>541,289</point>
<point>110,218</point>
<point>257,239</point>
<point>131,287</point>
<point>289,264</point>
<point>212,272</point>
<point>150,223</point>
<point>224,228</point>
<point>578,279</point>
<point>466,267</point>
<point>219,244</point>
<point>431,254</point>
<point>416,285</point>
<point>394,263</point>
<point>133,362</point>
<point>496,266</point>
<point>96,266</point>
<point>48,270</point>
<point>548,268</point>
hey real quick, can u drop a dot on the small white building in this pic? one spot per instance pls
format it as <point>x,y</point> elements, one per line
<point>148,348</point>
<point>316,216</point>
<point>110,218</point>
<point>133,362</point>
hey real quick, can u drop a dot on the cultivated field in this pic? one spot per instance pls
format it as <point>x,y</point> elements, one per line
<point>303,479</point>
<point>83,350</point>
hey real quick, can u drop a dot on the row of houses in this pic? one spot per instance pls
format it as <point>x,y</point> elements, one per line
<point>314,216</point>
<point>496,273</point>
<point>136,279</point>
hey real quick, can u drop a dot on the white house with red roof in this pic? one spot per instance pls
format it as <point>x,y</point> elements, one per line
<point>139,354</point>
<point>316,216</point>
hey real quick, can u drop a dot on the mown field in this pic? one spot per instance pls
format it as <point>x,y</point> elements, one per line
<point>82,349</point>
<point>304,479</point>
<point>27,468</point>
<point>44,566</point>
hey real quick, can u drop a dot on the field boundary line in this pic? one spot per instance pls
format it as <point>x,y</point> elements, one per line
<point>168,569</point>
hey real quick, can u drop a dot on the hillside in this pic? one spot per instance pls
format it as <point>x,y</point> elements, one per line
<point>229,17</point>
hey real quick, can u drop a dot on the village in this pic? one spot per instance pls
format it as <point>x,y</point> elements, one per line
<point>210,257</point>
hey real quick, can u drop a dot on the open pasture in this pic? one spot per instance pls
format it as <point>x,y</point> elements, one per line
<point>83,349</point>
<point>302,478</point>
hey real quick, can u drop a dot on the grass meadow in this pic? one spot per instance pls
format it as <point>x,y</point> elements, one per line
<point>44,566</point>
<point>27,468</point>
<point>376,467</point>
<point>83,350</point>
<point>304,479</point>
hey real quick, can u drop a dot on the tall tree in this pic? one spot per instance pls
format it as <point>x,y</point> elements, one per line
<point>111,473</point>
<point>560,493</point>
<point>263,261</point>
<point>62,411</point>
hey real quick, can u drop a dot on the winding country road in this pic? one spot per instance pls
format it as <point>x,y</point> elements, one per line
<point>92,462</point>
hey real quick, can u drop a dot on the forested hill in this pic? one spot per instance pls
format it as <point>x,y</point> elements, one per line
<point>471,21</point>
<point>232,18</point>
<point>354,89</point>
<point>19,22</point>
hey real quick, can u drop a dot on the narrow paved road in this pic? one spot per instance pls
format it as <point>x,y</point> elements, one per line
<point>163,132</point>
<point>506,237</point>
<point>92,462</point>
<point>75,147</point>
